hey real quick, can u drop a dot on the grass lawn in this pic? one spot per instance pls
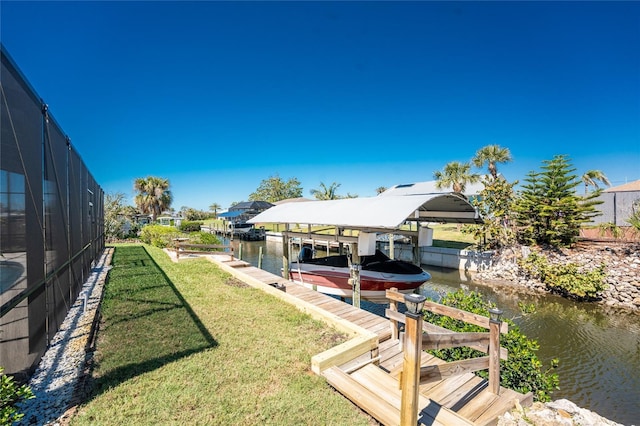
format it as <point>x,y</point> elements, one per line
<point>188,344</point>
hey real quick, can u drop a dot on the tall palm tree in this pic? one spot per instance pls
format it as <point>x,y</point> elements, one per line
<point>591,178</point>
<point>214,207</point>
<point>153,195</point>
<point>491,155</point>
<point>456,175</point>
<point>326,192</point>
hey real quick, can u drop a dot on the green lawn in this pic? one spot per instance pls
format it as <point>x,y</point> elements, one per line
<point>188,344</point>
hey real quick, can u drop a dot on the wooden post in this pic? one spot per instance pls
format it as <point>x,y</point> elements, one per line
<point>494,356</point>
<point>355,276</point>
<point>395,329</point>
<point>260,257</point>
<point>392,247</point>
<point>285,255</point>
<point>410,379</point>
<point>240,251</point>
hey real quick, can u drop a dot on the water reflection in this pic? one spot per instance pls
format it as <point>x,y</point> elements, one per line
<point>598,347</point>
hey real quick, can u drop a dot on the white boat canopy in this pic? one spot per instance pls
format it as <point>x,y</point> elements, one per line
<point>383,213</point>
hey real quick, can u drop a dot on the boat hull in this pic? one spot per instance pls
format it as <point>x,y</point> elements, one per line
<point>373,285</point>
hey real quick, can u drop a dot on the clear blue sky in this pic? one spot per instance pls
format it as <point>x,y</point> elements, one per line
<point>217,96</point>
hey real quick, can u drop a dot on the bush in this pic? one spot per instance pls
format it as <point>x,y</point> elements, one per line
<point>158,235</point>
<point>190,226</point>
<point>568,279</point>
<point>522,372</point>
<point>204,238</point>
<point>10,395</point>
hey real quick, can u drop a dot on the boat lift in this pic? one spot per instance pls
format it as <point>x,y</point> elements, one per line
<point>369,216</point>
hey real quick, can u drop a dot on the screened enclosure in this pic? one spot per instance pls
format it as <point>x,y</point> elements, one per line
<point>51,223</point>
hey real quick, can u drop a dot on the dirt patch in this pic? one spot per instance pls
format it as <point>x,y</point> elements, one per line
<point>234,282</point>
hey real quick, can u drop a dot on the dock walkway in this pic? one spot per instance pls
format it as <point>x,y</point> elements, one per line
<point>367,369</point>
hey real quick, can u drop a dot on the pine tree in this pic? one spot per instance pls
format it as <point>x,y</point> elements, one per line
<point>549,210</point>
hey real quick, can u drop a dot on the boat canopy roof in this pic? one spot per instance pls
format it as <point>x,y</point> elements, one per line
<point>388,212</point>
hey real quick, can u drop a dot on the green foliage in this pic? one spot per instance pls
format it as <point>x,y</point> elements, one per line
<point>569,279</point>
<point>116,215</point>
<point>522,372</point>
<point>153,195</point>
<point>610,228</point>
<point>634,219</point>
<point>275,189</point>
<point>10,395</point>
<point>190,226</point>
<point>158,235</point>
<point>549,211</point>
<point>494,203</point>
<point>200,237</point>
<point>192,214</point>
<point>456,175</point>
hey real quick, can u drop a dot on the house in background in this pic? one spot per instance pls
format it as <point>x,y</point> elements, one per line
<point>429,187</point>
<point>241,212</point>
<point>618,204</point>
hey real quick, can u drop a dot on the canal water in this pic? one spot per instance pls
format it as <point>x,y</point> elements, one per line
<point>598,347</point>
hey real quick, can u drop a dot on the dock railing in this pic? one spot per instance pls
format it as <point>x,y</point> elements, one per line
<point>184,247</point>
<point>420,335</point>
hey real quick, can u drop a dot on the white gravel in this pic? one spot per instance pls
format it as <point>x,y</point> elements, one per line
<point>61,369</point>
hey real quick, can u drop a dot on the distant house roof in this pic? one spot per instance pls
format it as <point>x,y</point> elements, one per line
<point>429,188</point>
<point>251,205</point>
<point>387,212</point>
<point>631,186</point>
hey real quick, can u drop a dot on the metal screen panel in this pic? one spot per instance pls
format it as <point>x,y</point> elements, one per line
<point>44,261</point>
<point>21,238</point>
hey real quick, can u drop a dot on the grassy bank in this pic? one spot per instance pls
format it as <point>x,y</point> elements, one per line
<point>187,344</point>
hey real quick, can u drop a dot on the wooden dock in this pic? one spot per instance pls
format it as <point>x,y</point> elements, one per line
<point>366,369</point>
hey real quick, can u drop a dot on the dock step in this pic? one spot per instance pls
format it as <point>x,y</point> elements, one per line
<point>376,392</point>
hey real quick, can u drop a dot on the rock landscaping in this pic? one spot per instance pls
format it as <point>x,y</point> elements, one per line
<point>621,260</point>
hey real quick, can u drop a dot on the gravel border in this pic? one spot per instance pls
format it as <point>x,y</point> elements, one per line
<point>58,382</point>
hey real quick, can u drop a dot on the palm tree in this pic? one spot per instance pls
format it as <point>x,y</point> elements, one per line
<point>153,195</point>
<point>591,178</point>
<point>491,155</point>
<point>215,207</point>
<point>455,175</point>
<point>326,192</point>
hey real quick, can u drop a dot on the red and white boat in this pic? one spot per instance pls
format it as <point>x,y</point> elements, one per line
<point>378,273</point>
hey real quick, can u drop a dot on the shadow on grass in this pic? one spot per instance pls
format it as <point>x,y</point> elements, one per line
<point>146,323</point>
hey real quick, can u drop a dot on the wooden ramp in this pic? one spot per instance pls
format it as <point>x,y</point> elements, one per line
<point>370,379</point>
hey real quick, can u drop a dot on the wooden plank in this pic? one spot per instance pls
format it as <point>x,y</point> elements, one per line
<point>432,328</point>
<point>435,341</point>
<point>449,311</point>
<point>498,407</point>
<point>465,393</point>
<point>446,387</point>
<point>474,408</point>
<point>342,353</point>
<point>374,404</point>
<point>451,369</point>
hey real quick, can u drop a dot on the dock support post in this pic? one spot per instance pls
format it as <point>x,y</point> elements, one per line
<point>285,255</point>
<point>240,251</point>
<point>355,276</point>
<point>410,379</point>
<point>392,247</point>
<point>494,350</point>
<point>260,257</point>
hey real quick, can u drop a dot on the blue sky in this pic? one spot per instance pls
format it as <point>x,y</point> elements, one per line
<point>217,96</point>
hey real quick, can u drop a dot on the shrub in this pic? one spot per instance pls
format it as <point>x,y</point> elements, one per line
<point>569,279</point>
<point>10,395</point>
<point>190,226</point>
<point>203,238</point>
<point>158,235</point>
<point>522,371</point>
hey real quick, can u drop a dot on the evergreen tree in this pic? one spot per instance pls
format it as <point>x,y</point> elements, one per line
<point>549,210</point>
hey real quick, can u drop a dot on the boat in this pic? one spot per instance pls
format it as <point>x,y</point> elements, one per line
<point>378,273</point>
